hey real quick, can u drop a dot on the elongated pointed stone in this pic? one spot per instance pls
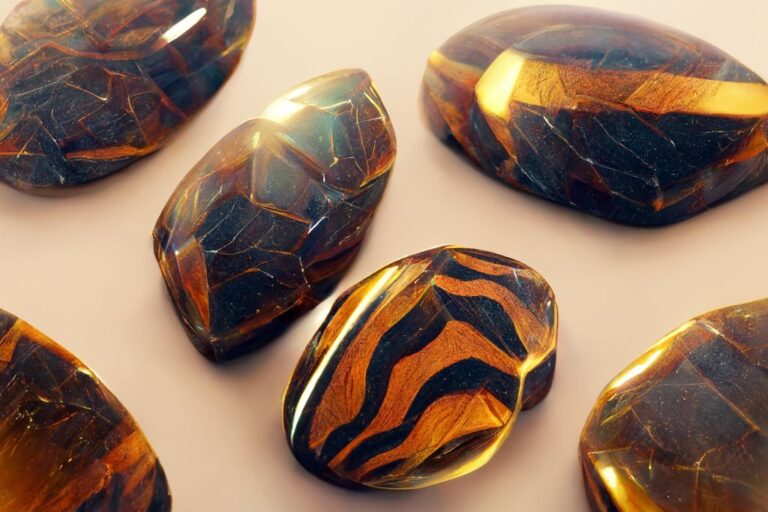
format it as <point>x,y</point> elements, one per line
<point>612,115</point>
<point>684,427</point>
<point>419,371</point>
<point>66,443</point>
<point>267,223</point>
<point>88,87</point>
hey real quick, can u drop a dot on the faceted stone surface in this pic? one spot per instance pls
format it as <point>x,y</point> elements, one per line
<point>419,371</point>
<point>619,117</point>
<point>266,224</point>
<point>66,443</point>
<point>684,427</point>
<point>90,86</point>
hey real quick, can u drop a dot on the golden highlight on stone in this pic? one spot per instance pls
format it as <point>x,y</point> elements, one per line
<point>612,115</point>
<point>684,427</point>
<point>419,372</point>
<point>66,443</point>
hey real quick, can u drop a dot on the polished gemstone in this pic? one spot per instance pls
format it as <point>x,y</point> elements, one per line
<point>90,86</point>
<point>66,443</point>
<point>266,224</point>
<point>418,373</point>
<point>612,115</point>
<point>684,427</point>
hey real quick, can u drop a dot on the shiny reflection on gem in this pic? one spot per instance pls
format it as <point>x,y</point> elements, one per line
<point>683,427</point>
<point>418,373</point>
<point>262,229</point>
<point>66,443</point>
<point>89,87</point>
<point>615,116</point>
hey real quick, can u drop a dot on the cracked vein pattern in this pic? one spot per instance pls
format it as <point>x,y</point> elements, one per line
<point>89,86</point>
<point>418,373</point>
<point>684,427</point>
<point>615,116</point>
<point>263,228</point>
<point>66,443</point>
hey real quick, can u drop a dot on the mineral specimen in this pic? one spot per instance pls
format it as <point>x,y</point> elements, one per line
<point>66,443</point>
<point>622,118</point>
<point>266,224</point>
<point>88,87</point>
<point>418,373</point>
<point>683,428</point>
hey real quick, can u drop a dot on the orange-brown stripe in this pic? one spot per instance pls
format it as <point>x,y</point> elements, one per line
<point>457,342</point>
<point>531,331</point>
<point>346,392</point>
<point>451,417</point>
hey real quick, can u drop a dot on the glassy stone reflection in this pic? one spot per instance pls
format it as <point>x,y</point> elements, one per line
<point>684,427</point>
<point>263,228</point>
<point>418,373</point>
<point>612,115</point>
<point>66,443</point>
<point>89,86</point>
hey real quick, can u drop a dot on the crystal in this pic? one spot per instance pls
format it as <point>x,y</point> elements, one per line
<point>87,87</point>
<point>418,373</point>
<point>612,115</point>
<point>683,427</point>
<point>264,227</point>
<point>66,443</point>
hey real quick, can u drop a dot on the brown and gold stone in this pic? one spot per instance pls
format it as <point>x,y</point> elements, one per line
<point>265,225</point>
<point>419,372</point>
<point>66,443</point>
<point>683,428</point>
<point>88,87</point>
<point>616,116</point>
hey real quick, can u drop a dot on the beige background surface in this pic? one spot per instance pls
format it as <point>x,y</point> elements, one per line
<point>81,268</point>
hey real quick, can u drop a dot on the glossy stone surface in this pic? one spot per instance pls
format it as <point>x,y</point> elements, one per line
<point>90,86</point>
<point>684,427</point>
<point>266,224</point>
<point>418,373</point>
<point>619,117</point>
<point>66,443</point>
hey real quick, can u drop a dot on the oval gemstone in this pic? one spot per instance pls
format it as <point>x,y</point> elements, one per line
<point>683,427</point>
<point>88,87</point>
<point>66,443</point>
<point>615,116</point>
<point>418,373</point>
<point>263,228</point>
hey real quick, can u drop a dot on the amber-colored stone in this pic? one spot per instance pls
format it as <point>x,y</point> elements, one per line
<point>619,117</point>
<point>266,224</point>
<point>419,371</point>
<point>684,427</point>
<point>66,443</point>
<point>90,86</point>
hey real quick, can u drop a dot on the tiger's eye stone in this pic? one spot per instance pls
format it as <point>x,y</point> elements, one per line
<point>684,427</point>
<point>615,116</point>
<point>418,373</point>
<point>89,86</point>
<point>263,228</point>
<point>66,443</point>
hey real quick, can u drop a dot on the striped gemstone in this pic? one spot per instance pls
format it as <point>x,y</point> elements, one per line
<point>419,372</point>
<point>615,116</point>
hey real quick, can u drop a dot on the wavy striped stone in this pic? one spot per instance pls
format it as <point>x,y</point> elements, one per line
<point>684,426</point>
<point>263,228</point>
<point>612,115</point>
<point>88,87</point>
<point>66,443</point>
<point>419,371</point>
